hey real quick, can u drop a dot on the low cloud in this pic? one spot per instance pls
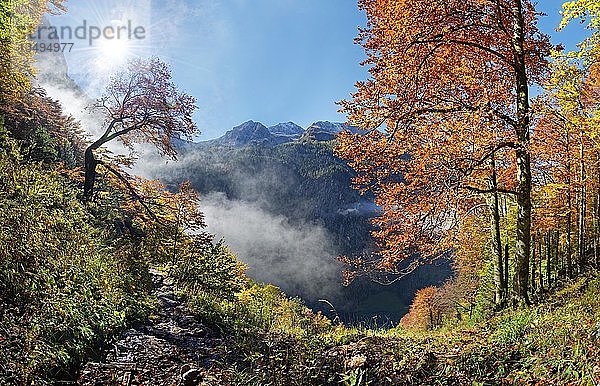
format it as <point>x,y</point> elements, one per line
<point>299,258</point>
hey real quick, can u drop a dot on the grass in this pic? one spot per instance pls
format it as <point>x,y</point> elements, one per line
<point>554,343</point>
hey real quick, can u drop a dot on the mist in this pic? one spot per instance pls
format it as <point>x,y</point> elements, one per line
<point>299,258</point>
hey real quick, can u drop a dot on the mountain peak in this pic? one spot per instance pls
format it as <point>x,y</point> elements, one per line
<point>287,129</point>
<point>325,131</point>
<point>255,133</point>
<point>249,132</point>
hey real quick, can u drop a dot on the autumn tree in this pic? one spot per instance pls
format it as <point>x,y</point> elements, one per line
<point>174,235</point>
<point>141,104</point>
<point>566,156</point>
<point>426,310</point>
<point>42,130</point>
<point>556,152</point>
<point>587,12</point>
<point>586,58</point>
<point>169,218</point>
<point>468,264</point>
<point>447,113</point>
<point>18,19</point>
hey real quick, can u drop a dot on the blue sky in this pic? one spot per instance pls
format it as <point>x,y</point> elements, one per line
<point>270,60</point>
<point>266,60</point>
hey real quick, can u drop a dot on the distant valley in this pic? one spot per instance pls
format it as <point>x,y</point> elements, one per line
<point>285,204</point>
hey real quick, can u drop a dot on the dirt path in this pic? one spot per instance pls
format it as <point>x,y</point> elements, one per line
<point>173,348</point>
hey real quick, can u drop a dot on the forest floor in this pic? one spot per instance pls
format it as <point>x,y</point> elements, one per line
<point>171,348</point>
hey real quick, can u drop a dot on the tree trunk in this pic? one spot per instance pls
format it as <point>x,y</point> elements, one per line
<point>548,261</point>
<point>494,205</point>
<point>541,258</point>
<point>582,206</point>
<point>534,257</point>
<point>557,255</point>
<point>594,231</point>
<point>523,241</point>
<point>568,236</point>
<point>505,285</point>
<point>597,227</point>
<point>90,174</point>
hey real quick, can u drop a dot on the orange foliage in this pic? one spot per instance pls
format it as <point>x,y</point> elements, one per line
<point>439,105</point>
<point>425,310</point>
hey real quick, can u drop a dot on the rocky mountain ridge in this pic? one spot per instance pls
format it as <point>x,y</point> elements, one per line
<point>255,133</point>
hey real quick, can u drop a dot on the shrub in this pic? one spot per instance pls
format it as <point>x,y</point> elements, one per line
<point>64,284</point>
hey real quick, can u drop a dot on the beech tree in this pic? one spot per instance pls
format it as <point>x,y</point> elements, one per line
<point>557,148</point>
<point>587,12</point>
<point>585,60</point>
<point>141,104</point>
<point>447,112</point>
<point>425,311</point>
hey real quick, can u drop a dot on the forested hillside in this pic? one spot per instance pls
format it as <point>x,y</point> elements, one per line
<point>299,179</point>
<point>111,278</point>
<point>302,180</point>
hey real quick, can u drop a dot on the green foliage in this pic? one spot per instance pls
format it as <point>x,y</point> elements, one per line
<point>40,146</point>
<point>512,328</point>
<point>277,340</point>
<point>355,377</point>
<point>41,130</point>
<point>260,309</point>
<point>211,269</point>
<point>18,19</point>
<point>484,300</point>
<point>64,284</point>
<point>7,146</point>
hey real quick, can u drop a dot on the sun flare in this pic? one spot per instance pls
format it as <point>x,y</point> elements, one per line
<point>113,52</point>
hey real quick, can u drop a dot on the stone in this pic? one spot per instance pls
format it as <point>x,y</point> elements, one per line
<point>191,377</point>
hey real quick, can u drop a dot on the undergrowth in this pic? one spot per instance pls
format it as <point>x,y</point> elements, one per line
<point>279,342</point>
<point>66,285</point>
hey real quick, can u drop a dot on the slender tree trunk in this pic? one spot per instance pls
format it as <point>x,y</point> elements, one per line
<point>541,258</point>
<point>582,205</point>
<point>548,261</point>
<point>499,280</point>
<point>568,236</point>
<point>90,174</point>
<point>506,255</point>
<point>594,231</point>
<point>562,268</point>
<point>523,241</point>
<point>597,227</point>
<point>540,253</point>
<point>557,255</point>
<point>533,265</point>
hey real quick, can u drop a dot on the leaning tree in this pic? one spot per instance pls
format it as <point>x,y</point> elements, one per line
<point>141,104</point>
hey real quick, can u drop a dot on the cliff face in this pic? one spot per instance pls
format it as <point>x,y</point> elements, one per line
<point>51,63</point>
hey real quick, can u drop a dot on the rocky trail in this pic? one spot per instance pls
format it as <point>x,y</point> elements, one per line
<point>172,349</point>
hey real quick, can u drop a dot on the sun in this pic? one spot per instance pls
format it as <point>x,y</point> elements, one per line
<point>113,53</point>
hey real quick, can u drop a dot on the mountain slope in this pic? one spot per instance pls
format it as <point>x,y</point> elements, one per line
<point>255,133</point>
<point>287,129</point>
<point>289,210</point>
<point>325,131</point>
